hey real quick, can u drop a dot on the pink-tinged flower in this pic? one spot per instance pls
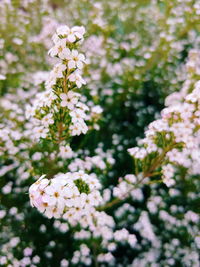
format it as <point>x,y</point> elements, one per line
<point>63,194</point>
<point>78,128</point>
<point>76,60</point>
<point>69,99</point>
<point>60,50</point>
<point>77,115</point>
<point>72,35</point>
<point>76,77</point>
<point>63,30</point>
<point>47,120</point>
<point>58,70</point>
<point>40,132</point>
<point>54,195</point>
<point>66,152</point>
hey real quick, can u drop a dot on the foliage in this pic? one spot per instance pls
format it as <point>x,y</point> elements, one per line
<point>68,117</point>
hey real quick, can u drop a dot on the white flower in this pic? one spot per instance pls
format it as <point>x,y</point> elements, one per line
<point>63,195</point>
<point>66,152</point>
<point>121,235</point>
<point>169,182</point>
<point>53,212</point>
<point>78,31</point>
<point>2,77</point>
<point>97,109</point>
<point>63,30</point>
<point>37,156</point>
<point>50,96</point>
<point>58,70</point>
<point>30,111</point>
<point>47,120</point>
<point>95,198</point>
<point>76,77</point>
<point>40,132</point>
<point>77,115</point>
<point>80,201</point>
<point>76,60</point>
<point>69,99</point>
<point>69,215</point>
<point>33,194</point>
<point>168,173</point>
<point>64,263</point>
<point>137,152</point>
<point>82,106</point>
<point>73,34</point>
<point>60,50</point>
<point>94,183</point>
<point>55,38</point>
<point>54,195</point>
<point>132,240</point>
<point>78,128</point>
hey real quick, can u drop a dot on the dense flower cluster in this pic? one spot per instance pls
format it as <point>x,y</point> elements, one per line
<point>65,195</point>
<point>68,195</point>
<point>60,102</point>
<point>134,54</point>
<point>173,140</point>
<point>72,196</point>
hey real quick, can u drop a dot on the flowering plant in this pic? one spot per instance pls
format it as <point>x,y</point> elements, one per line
<point>71,193</point>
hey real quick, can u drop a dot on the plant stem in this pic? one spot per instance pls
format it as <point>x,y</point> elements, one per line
<point>146,174</point>
<point>118,200</point>
<point>96,264</point>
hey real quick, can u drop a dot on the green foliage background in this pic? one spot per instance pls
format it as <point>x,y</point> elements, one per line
<point>137,97</point>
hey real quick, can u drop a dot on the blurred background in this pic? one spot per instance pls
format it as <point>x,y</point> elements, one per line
<point>137,54</point>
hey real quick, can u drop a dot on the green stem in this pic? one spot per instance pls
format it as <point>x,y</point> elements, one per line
<point>148,173</point>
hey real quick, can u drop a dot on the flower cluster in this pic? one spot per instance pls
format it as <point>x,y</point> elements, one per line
<point>172,140</point>
<point>125,186</point>
<point>61,103</point>
<point>65,195</point>
<point>129,68</point>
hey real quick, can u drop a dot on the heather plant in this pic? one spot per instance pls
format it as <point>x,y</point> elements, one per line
<point>95,169</point>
